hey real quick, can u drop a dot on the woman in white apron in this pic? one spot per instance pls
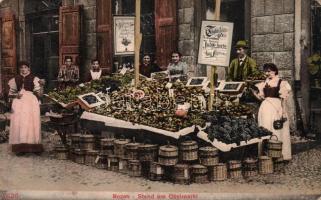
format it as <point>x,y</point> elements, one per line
<point>25,128</point>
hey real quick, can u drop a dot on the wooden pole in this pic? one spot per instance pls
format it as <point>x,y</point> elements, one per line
<point>138,40</point>
<point>213,68</point>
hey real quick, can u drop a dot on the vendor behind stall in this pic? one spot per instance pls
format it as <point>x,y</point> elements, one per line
<point>242,66</point>
<point>68,74</point>
<point>147,66</point>
<point>177,69</point>
<point>95,71</point>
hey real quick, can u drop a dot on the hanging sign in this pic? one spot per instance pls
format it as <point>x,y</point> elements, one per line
<point>215,43</point>
<point>124,35</point>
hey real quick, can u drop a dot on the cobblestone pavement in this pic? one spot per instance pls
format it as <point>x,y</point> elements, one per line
<point>30,172</point>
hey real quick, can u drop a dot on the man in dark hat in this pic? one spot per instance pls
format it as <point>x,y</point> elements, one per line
<point>242,66</point>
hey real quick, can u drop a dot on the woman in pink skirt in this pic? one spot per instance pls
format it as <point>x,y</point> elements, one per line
<point>25,129</point>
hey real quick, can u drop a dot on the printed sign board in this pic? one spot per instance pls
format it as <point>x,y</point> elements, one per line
<point>215,43</point>
<point>124,35</point>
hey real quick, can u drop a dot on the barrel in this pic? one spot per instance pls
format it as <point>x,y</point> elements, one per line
<point>274,147</point>
<point>131,150</point>
<point>102,161</point>
<point>107,145</point>
<point>123,165</point>
<point>61,152</point>
<point>113,164</point>
<point>188,151</point>
<point>218,172</point>
<point>168,155</point>
<point>156,171</point>
<point>250,167</point>
<point>75,140</point>
<point>208,156</point>
<point>134,168</point>
<point>235,169</point>
<point>199,173</point>
<point>182,174</point>
<point>119,146</point>
<point>80,156</point>
<point>90,157</point>
<point>147,152</point>
<point>265,165</point>
<point>87,142</point>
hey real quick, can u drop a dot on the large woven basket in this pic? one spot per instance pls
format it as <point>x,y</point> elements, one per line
<point>134,168</point>
<point>265,165</point>
<point>250,167</point>
<point>274,147</point>
<point>199,174</point>
<point>218,172</point>
<point>156,171</point>
<point>208,156</point>
<point>119,146</point>
<point>182,174</point>
<point>168,155</point>
<point>147,152</point>
<point>188,150</point>
<point>131,150</point>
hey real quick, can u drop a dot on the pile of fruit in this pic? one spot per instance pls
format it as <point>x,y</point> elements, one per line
<point>236,110</point>
<point>228,129</point>
<point>257,75</point>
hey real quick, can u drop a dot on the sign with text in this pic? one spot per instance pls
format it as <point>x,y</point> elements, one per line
<point>215,43</point>
<point>124,35</point>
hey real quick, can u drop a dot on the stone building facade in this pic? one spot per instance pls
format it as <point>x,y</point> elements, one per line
<point>269,25</point>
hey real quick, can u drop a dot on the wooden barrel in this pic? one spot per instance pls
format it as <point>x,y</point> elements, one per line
<point>250,167</point>
<point>134,168</point>
<point>208,156</point>
<point>265,165</point>
<point>113,164</point>
<point>182,174</point>
<point>61,152</point>
<point>87,142</point>
<point>168,155</point>
<point>119,147</point>
<point>279,165</point>
<point>235,168</point>
<point>218,172</point>
<point>75,140</point>
<point>148,152</point>
<point>188,150</point>
<point>107,145</point>
<point>199,174</point>
<point>156,172</point>
<point>131,150</point>
<point>102,161</point>
<point>80,156</point>
<point>123,165</point>
<point>90,157</point>
<point>274,147</point>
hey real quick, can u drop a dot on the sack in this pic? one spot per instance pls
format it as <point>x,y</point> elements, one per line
<point>278,124</point>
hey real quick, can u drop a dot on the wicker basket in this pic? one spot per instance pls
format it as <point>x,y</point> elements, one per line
<point>113,163</point>
<point>131,150</point>
<point>90,157</point>
<point>274,147</point>
<point>182,174</point>
<point>102,161</point>
<point>188,151</point>
<point>107,145</point>
<point>61,152</point>
<point>199,174</point>
<point>235,169</point>
<point>87,141</point>
<point>208,156</point>
<point>279,164</point>
<point>148,152</point>
<point>134,168</point>
<point>156,172</point>
<point>250,167</point>
<point>265,165</point>
<point>123,165</point>
<point>80,156</point>
<point>168,155</point>
<point>218,172</point>
<point>75,140</point>
<point>119,147</point>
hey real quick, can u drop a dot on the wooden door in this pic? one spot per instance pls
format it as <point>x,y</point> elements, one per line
<point>8,48</point>
<point>105,35</point>
<point>70,20</point>
<point>166,30</point>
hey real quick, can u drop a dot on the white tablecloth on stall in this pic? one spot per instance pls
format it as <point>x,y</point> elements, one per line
<point>112,122</point>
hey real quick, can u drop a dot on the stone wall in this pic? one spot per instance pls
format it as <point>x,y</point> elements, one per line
<point>272,39</point>
<point>187,44</point>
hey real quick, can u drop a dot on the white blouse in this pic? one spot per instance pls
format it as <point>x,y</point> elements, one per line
<point>95,75</point>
